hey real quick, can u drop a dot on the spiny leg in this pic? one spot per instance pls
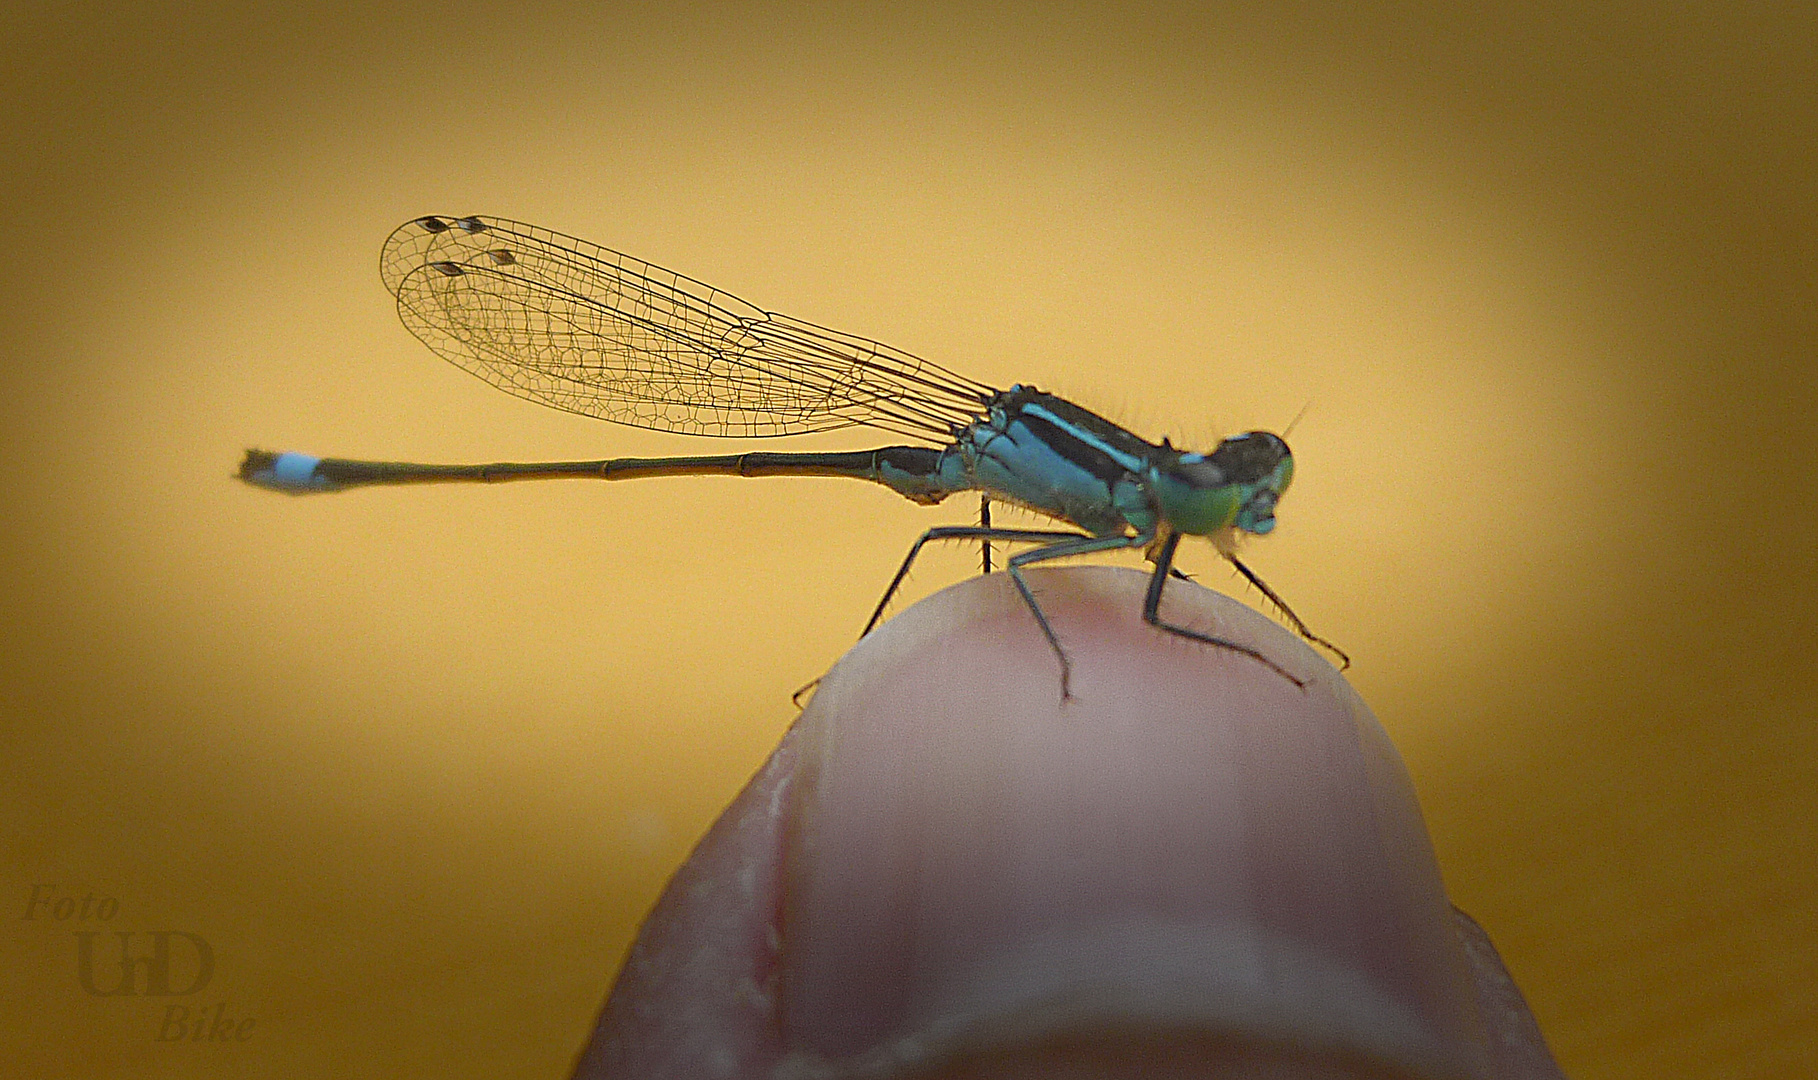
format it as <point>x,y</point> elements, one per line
<point>946,532</point>
<point>1075,545</point>
<point>1288,612</point>
<point>958,532</point>
<point>984,522</point>
<point>1164,560</point>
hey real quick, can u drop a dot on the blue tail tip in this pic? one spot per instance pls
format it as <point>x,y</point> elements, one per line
<point>294,474</point>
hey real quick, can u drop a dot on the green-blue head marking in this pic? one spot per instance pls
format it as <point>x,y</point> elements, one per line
<point>1236,486</point>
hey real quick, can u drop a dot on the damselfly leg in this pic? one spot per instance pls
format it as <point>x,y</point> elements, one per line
<point>958,532</point>
<point>1061,544</point>
<point>984,522</point>
<point>1344,661</point>
<point>1164,562</point>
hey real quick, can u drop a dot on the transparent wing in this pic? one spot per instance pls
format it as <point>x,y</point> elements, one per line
<point>588,330</point>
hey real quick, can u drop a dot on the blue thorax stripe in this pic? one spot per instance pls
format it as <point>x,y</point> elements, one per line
<point>1078,429</point>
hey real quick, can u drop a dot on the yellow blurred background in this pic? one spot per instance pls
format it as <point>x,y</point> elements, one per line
<point>413,763</point>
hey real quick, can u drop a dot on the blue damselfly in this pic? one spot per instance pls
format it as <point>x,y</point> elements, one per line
<point>588,330</point>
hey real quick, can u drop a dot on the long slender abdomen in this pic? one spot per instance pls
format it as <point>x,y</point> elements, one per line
<point>919,473</point>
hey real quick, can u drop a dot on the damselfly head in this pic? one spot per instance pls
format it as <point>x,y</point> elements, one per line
<point>1236,486</point>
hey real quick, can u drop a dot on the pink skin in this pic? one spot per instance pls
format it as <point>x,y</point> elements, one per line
<point>1191,869</point>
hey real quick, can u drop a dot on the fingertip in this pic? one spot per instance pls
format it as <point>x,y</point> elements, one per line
<point>945,866</point>
<point>1190,845</point>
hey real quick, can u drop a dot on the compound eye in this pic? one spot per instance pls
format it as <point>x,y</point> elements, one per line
<point>1250,458</point>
